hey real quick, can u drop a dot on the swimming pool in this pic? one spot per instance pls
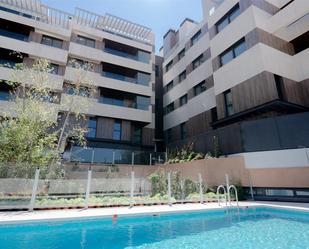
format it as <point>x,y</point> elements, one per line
<point>254,228</point>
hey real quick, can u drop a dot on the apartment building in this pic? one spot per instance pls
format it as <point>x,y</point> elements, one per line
<point>246,61</point>
<point>121,117</point>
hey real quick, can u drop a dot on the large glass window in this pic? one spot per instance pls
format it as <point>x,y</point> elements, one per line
<point>183,100</point>
<point>51,41</point>
<point>85,41</point>
<point>182,76</point>
<point>181,54</point>
<point>183,131</point>
<point>228,103</point>
<point>228,18</point>
<point>117,130</point>
<point>234,51</point>
<point>169,66</point>
<point>137,135</point>
<point>169,108</point>
<point>169,86</point>
<point>198,61</point>
<point>196,37</point>
<point>92,127</point>
<point>142,102</point>
<point>201,87</point>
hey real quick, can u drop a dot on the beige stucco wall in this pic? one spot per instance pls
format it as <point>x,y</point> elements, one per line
<point>213,173</point>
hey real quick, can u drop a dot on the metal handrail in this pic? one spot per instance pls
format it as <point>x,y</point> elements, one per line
<point>218,192</point>
<point>236,194</point>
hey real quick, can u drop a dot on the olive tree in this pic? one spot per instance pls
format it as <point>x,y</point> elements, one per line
<point>31,133</point>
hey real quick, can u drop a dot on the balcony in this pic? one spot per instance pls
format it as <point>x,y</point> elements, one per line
<point>108,82</point>
<point>105,110</point>
<point>98,55</point>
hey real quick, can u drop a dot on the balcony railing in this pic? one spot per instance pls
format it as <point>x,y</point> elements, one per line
<point>119,77</point>
<point>14,35</point>
<point>7,63</point>
<point>141,56</point>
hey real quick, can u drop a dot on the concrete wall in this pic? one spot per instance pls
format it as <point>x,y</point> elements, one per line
<point>213,173</point>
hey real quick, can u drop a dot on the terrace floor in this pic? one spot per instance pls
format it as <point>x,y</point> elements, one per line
<point>52,215</point>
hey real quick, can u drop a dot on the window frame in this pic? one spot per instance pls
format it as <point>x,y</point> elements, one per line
<point>92,128</point>
<point>228,104</point>
<point>185,98</point>
<point>53,41</point>
<point>86,41</point>
<point>196,37</point>
<point>232,49</point>
<point>227,18</point>
<point>182,76</point>
<point>169,108</point>
<point>117,131</point>
<point>169,86</point>
<point>181,54</point>
<point>199,86</point>
<point>168,66</point>
<point>198,61</point>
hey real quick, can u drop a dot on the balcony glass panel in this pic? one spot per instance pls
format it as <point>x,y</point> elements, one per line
<point>119,77</point>
<point>143,79</point>
<point>121,53</point>
<point>13,35</point>
<point>7,63</point>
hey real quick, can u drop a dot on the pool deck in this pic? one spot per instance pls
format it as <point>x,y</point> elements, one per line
<point>56,215</point>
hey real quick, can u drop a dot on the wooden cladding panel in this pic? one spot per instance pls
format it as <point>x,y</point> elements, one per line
<point>199,124</point>
<point>220,106</point>
<point>253,92</point>
<point>126,130</point>
<point>147,136</point>
<point>294,92</point>
<point>105,127</point>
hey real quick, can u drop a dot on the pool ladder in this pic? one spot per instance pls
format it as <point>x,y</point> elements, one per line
<point>227,195</point>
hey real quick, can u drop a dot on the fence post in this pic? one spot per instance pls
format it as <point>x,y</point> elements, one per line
<point>150,159</point>
<point>132,162</point>
<point>88,188</point>
<point>201,187</point>
<point>34,189</point>
<point>227,188</point>
<point>169,190</point>
<point>113,162</point>
<point>92,156</point>
<point>132,189</point>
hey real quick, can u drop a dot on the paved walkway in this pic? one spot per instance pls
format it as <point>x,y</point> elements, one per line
<point>13,217</point>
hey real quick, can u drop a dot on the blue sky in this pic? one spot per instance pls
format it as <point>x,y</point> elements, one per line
<point>159,15</point>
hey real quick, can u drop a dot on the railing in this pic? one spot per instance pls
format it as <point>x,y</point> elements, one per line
<point>13,35</point>
<point>119,77</point>
<point>114,156</point>
<point>120,53</point>
<point>101,187</point>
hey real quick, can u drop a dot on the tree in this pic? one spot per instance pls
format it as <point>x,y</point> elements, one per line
<point>31,133</point>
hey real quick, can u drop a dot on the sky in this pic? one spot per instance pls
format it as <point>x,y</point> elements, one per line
<point>159,15</point>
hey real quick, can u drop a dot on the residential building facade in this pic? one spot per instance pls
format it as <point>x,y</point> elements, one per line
<point>121,117</point>
<point>247,60</point>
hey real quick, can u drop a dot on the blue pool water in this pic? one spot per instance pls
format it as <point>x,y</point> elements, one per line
<point>253,228</point>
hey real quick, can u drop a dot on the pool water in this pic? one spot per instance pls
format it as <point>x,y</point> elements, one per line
<point>252,228</point>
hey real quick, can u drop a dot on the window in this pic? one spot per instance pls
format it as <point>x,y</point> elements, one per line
<point>228,103</point>
<point>234,51</point>
<point>169,86</point>
<point>228,18</point>
<point>137,135</point>
<point>117,130</point>
<point>169,135</point>
<point>142,102</point>
<point>183,100</point>
<point>198,61</point>
<point>201,87</point>
<point>51,41</point>
<point>279,86</point>
<point>214,114</point>
<point>81,91</point>
<point>92,127</point>
<point>85,41</point>
<point>168,66</point>
<point>54,68</point>
<point>5,91</point>
<point>183,131</point>
<point>157,70</point>
<point>196,37</point>
<point>169,108</point>
<point>182,76</point>
<point>181,54</point>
